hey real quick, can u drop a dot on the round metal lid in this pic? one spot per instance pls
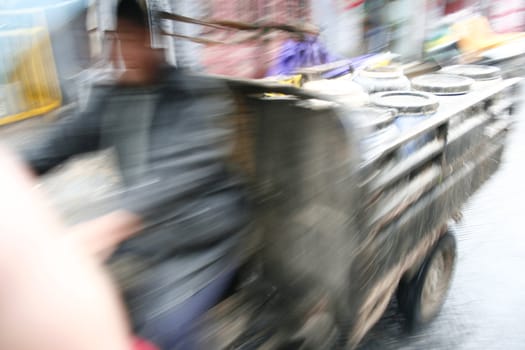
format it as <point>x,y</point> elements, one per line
<point>443,84</point>
<point>383,72</point>
<point>409,102</point>
<point>474,71</point>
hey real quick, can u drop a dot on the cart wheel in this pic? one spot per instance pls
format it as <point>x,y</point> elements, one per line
<point>421,298</point>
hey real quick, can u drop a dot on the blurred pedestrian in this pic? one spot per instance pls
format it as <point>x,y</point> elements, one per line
<point>167,129</point>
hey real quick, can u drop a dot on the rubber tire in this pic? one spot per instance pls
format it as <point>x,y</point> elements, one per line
<point>409,293</point>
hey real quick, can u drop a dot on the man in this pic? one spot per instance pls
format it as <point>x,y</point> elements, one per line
<point>166,130</point>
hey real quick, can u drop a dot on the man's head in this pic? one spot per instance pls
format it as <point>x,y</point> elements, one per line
<point>133,31</point>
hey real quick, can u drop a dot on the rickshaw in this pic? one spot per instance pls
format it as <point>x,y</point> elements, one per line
<point>337,234</point>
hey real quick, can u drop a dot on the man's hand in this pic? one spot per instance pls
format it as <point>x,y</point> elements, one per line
<point>54,295</point>
<point>101,236</point>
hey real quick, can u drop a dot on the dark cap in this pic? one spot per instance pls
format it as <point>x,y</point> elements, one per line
<point>133,11</point>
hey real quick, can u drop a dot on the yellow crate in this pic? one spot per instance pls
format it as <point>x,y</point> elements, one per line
<point>31,68</point>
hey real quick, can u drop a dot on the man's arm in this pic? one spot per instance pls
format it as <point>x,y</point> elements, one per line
<point>75,134</point>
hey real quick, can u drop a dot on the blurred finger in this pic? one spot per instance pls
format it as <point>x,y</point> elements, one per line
<point>102,235</point>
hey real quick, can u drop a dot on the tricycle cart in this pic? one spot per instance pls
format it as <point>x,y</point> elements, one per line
<point>337,234</point>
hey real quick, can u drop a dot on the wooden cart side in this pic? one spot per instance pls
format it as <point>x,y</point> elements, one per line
<point>469,153</point>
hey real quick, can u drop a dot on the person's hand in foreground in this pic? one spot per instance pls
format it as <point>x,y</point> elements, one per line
<point>53,294</point>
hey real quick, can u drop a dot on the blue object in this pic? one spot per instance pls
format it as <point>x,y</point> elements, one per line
<point>413,107</point>
<point>310,52</point>
<point>353,63</point>
<point>299,54</point>
<point>407,122</point>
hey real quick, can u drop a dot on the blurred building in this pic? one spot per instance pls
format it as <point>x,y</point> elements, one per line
<point>341,25</point>
<point>80,31</point>
<point>65,22</point>
<point>249,53</point>
<point>507,15</point>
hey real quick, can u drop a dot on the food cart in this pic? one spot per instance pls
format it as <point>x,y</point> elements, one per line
<point>338,234</point>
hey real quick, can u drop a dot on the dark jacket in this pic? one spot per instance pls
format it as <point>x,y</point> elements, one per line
<point>171,143</point>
